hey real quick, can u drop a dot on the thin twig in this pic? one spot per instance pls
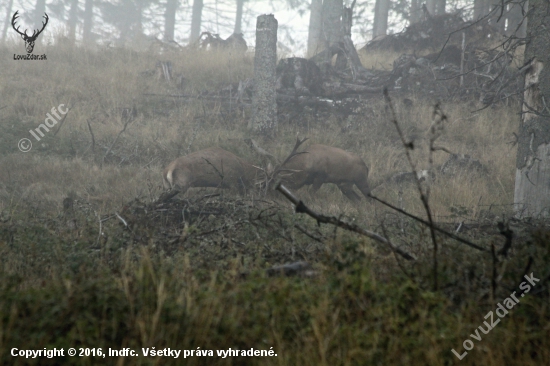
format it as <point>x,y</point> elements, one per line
<point>423,195</point>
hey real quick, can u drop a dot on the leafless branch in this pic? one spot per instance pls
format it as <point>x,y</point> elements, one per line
<point>302,208</point>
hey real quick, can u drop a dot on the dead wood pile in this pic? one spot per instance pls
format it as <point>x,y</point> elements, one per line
<point>433,33</point>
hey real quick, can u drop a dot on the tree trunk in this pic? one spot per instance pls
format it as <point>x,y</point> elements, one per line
<point>479,9</point>
<point>440,6</point>
<point>532,190</point>
<point>239,17</point>
<point>7,22</point>
<point>332,22</point>
<point>315,28</point>
<point>196,20</point>
<point>517,22</point>
<point>430,5</point>
<point>381,12</point>
<point>38,17</point>
<point>138,23</point>
<point>498,16</point>
<point>88,21</point>
<point>264,101</point>
<point>415,12</point>
<point>170,19</point>
<point>39,10</point>
<point>72,20</point>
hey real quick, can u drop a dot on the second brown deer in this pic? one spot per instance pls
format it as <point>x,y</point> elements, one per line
<point>320,164</point>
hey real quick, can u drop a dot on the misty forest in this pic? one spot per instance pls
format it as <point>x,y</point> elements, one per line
<point>283,182</point>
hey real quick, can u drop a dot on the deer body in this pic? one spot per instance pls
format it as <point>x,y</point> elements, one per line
<point>212,167</point>
<point>321,164</point>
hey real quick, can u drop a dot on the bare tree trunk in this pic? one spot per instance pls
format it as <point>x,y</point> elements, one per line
<point>332,22</point>
<point>38,15</point>
<point>138,25</point>
<point>7,21</point>
<point>532,190</point>
<point>381,12</point>
<point>430,5</point>
<point>88,21</point>
<point>196,20</point>
<point>315,28</point>
<point>72,20</point>
<point>517,21</point>
<point>440,6</point>
<point>239,17</point>
<point>170,19</point>
<point>480,9</point>
<point>264,101</point>
<point>415,12</point>
<point>498,17</point>
<point>39,10</point>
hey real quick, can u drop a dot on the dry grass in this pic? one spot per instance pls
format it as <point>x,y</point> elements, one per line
<point>98,84</point>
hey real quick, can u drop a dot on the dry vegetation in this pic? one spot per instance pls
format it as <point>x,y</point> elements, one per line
<point>153,280</point>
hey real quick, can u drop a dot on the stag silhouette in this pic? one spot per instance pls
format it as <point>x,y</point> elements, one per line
<point>29,41</point>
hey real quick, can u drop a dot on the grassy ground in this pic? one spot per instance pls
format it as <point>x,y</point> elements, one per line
<point>87,259</point>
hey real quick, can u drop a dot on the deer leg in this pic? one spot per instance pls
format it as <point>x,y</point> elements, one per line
<point>364,188</point>
<point>347,190</point>
<point>316,185</point>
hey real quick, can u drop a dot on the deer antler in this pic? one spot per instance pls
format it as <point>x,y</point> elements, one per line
<point>13,20</point>
<point>43,26</point>
<point>292,154</point>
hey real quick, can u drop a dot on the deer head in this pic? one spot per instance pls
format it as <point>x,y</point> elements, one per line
<point>271,173</point>
<point>29,40</point>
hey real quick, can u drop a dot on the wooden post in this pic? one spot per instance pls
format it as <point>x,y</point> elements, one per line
<point>264,101</point>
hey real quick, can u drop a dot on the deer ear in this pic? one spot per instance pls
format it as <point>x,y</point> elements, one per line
<point>269,168</point>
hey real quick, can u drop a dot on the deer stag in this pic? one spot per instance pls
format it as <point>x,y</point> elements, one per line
<point>321,164</point>
<point>213,167</point>
<point>29,40</point>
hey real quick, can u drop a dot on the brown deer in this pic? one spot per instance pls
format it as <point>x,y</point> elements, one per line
<point>321,164</point>
<point>212,167</point>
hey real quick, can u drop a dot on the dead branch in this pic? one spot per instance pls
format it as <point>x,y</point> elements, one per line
<point>450,235</point>
<point>302,208</point>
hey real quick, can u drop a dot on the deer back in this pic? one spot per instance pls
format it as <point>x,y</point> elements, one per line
<point>326,164</point>
<point>212,167</point>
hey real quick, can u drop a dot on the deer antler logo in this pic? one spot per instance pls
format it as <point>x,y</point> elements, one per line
<point>29,40</point>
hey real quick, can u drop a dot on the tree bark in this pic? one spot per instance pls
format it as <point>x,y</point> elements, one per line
<point>88,21</point>
<point>264,101</point>
<point>239,17</point>
<point>39,10</point>
<point>415,12</point>
<point>517,21</point>
<point>72,20</point>
<point>138,25</point>
<point>532,189</point>
<point>170,19</point>
<point>196,18</point>
<point>479,8</point>
<point>430,5</point>
<point>440,6</point>
<point>332,22</point>
<point>7,22</point>
<point>315,28</point>
<point>381,12</point>
<point>38,17</point>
